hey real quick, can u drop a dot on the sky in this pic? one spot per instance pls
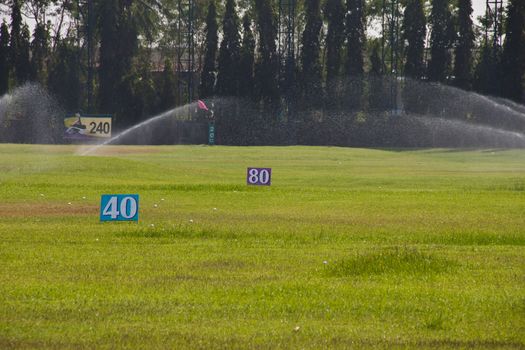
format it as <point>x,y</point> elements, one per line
<point>478,5</point>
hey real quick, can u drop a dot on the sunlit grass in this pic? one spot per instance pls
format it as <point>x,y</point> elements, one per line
<point>349,248</point>
<point>392,261</point>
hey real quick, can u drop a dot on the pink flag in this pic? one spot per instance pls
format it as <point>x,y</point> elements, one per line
<point>202,105</point>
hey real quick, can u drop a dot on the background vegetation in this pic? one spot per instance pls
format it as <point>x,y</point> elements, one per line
<point>337,65</point>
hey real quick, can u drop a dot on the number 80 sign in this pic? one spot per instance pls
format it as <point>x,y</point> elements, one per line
<point>259,176</point>
<point>119,207</point>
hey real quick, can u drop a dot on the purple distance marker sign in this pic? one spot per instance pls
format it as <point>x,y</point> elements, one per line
<point>259,176</point>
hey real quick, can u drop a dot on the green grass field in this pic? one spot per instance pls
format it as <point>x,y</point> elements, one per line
<point>348,248</point>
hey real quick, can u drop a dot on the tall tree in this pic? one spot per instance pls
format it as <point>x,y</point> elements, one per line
<point>247,58</point>
<point>64,75</point>
<point>376,94</point>
<point>414,32</point>
<point>110,71</point>
<point>4,59</point>
<point>39,52</point>
<point>464,45</point>
<point>229,53</point>
<point>375,60</point>
<point>267,66</point>
<point>513,57</point>
<point>16,44</point>
<point>137,94</point>
<point>16,27</point>
<point>168,95</point>
<point>310,58</point>
<point>23,63</point>
<point>207,84</point>
<point>486,80</point>
<point>118,47</point>
<point>355,37</point>
<point>334,13</point>
<point>355,46</point>
<point>128,45</point>
<point>144,90</point>
<point>440,21</point>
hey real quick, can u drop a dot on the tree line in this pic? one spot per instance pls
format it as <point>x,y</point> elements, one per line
<point>339,65</point>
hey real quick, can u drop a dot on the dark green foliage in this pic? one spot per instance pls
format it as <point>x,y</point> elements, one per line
<point>334,14</point>
<point>275,109</point>
<point>440,40</point>
<point>376,81</point>
<point>23,63</point>
<point>110,71</point>
<point>138,91</point>
<point>207,84</point>
<point>247,59</point>
<point>375,60</point>
<point>229,53</point>
<point>354,63</point>
<point>168,94</point>
<point>118,46</point>
<point>16,31</point>
<point>143,96</point>
<point>513,57</point>
<point>4,59</point>
<point>355,37</point>
<point>125,71</point>
<point>486,79</point>
<point>414,32</point>
<point>129,112</point>
<point>146,89</point>
<point>266,67</point>
<point>464,46</point>
<point>39,53</point>
<point>19,45</point>
<point>310,53</point>
<point>64,76</point>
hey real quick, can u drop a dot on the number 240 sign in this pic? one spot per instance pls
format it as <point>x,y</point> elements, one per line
<point>259,176</point>
<point>119,207</point>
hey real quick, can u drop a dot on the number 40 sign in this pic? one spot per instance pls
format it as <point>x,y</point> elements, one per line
<point>259,176</point>
<point>119,207</point>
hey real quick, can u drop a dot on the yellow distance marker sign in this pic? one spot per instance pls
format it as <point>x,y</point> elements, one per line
<point>87,127</point>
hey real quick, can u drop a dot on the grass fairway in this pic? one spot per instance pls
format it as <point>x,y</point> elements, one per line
<point>348,248</point>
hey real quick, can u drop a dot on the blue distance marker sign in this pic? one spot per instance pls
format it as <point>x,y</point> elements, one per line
<point>119,207</point>
<point>259,176</point>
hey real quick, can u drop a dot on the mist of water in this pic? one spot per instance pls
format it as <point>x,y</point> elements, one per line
<point>433,115</point>
<point>144,132</point>
<point>454,103</point>
<point>30,115</point>
<point>443,132</point>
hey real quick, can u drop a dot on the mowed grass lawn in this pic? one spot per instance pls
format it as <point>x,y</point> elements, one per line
<point>349,248</point>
